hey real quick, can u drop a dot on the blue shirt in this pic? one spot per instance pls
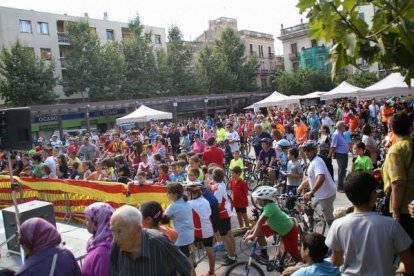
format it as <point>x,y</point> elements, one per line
<point>339,142</point>
<point>314,122</point>
<point>182,216</point>
<point>283,160</point>
<point>318,269</point>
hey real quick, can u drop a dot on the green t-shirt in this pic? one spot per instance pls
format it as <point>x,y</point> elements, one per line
<point>277,220</point>
<point>237,163</point>
<point>363,163</point>
<point>339,114</point>
<point>220,134</point>
<point>37,170</point>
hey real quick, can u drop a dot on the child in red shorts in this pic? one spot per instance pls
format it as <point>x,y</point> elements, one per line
<point>240,191</point>
<point>273,220</point>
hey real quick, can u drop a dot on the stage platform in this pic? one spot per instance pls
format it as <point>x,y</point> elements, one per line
<point>74,237</point>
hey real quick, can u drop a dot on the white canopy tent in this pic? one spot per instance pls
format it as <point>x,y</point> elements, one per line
<point>313,95</point>
<point>392,85</point>
<point>144,114</point>
<point>341,91</point>
<point>276,99</point>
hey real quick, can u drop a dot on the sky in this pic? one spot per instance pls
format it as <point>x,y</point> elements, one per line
<point>191,16</point>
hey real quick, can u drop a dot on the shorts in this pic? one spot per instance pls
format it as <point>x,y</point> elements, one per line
<point>214,217</point>
<point>207,242</point>
<point>185,249</point>
<point>241,210</point>
<point>224,226</point>
<point>290,240</point>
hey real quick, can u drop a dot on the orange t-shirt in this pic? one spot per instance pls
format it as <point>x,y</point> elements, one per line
<point>301,132</point>
<point>169,232</point>
<point>353,123</point>
<point>280,128</point>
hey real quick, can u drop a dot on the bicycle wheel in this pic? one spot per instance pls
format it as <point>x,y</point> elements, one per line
<point>257,206</point>
<point>244,247</point>
<point>251,179</point>
<point>242,268</point>
<point>319,224</point>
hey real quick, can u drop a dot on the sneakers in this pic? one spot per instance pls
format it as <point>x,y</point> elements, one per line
<point>229,261</point>
<point>218,247</point>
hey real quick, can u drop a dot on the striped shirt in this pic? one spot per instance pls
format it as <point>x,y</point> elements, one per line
<point>159,258</point>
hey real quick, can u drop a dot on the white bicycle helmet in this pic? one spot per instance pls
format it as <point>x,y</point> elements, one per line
<point>265,192</point>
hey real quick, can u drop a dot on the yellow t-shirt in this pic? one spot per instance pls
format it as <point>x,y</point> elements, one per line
<point>237,163</point>
<point>398,166</point>
<point>220,134</point>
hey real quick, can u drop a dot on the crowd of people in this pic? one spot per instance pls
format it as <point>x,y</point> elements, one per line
<point>192,159</point>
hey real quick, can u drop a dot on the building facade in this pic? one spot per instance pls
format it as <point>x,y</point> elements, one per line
<point>45,33</point>
<point>301,52</point>
<point>259,44</point>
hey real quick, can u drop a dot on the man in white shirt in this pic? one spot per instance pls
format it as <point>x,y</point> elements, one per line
<point>374,110</point>
<point>325,120</point>
<point>364,242</point>
<point>233,137</point>
<point>49,161</point>
<point>319,180</point>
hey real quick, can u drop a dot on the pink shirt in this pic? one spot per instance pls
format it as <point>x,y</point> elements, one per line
<point>198,147</point>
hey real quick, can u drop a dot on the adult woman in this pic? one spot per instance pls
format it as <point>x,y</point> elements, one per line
<point>135,155</point>
<point>198,146</point>
<point>41,240</point>
<point>97,259</point>
<point>62,167</point>
<point>324,145</point>
<point>370,143</point>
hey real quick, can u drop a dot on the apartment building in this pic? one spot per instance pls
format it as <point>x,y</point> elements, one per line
<point>45,33</point>
<point>301,51</point>
<point>256,43</point>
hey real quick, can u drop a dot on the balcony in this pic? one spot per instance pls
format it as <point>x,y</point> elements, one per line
<point>293,56</point>
<point>63,39</point>
<point>271,55</point>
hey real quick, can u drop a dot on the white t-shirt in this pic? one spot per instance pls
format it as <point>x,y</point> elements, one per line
<point>369,242</point>
<point>51,163</point>
<point>233,136</point>
<point>373,110</point>
<point>316,167</point>
<point>201,217</point>
<point>219,191</point>
<point>328,121</point>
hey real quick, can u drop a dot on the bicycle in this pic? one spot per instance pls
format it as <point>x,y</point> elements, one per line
<point>278,263</point>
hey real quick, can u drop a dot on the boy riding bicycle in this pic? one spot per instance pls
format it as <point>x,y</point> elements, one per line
<point>273,221</point>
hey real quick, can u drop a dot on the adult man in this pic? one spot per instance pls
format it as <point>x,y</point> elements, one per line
<point>398,172</point>
<point>117,146</point>
<point>326,120</point>
<point>87,152</point>
<point>339,150</point>
<point>364,242</point>
<point>138,251</point>
<point>174,137</point>
<point>49,161</point>
<point>73,145</point>
<point>213,154</point>
<point>233,137</point>
<point>386,112</point>
<point>257,141</point>
<point>55,142</point>
<point>373,111</point>
<point>319,180</point>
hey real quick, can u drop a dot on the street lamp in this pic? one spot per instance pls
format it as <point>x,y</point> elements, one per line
<point>88,125</point>
<point>206,107</point>
<point>175,104</point>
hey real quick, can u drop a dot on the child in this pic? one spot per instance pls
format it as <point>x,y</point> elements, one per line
<point>75,173</point>
<point>47,172</point>
<point>145,165</point>
<point>348,139</point>
<point>271,221</point>
<point>181,175</point>
<point>148,151</point>
<point>294,172</point>
<point>237,162</point>
<point>194,163</point>
<point>162,175</point>
<point>181,214</point>
<point>224,224</point>
<point>227,152</point>
<point>240,192</point>
<point>203,228</point>
<point>86,170</point>
<point>153,216</point>
<point>363,160</point>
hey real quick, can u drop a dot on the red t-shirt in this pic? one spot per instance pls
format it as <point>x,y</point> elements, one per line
<point>73,148</point>
<point>214,155</point>
<point>240,192</point>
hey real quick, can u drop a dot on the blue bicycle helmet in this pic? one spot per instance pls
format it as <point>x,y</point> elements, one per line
<point>283,143</point>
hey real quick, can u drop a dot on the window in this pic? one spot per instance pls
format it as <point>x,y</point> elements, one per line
<point>295,66</point>
<point>157,39</point>
<point>25,26</point>
<point>30,50</point>
<point>314,43</point>
<point>251,48</point>
<point>362,16</point>
<point>46,53</point>
<point>264,83</point>
<point>92,30</point>
<point>269,49</point>
<point>110,35</point>
<point>43,28</point>
<point>260,50</point>
<point>294,48</point>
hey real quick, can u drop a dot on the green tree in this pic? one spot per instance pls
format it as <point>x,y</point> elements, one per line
<point>302,82</point>
<point>141,76</point>
<point>83,60</point>
<point>389,39</point>
<point>24,78</point>
<point>224,67</point>
<point>361,78</point>
<point>174,66</point>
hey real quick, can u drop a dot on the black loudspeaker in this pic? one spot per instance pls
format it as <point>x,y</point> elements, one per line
<point>35,208</point>
<point>15,129</point>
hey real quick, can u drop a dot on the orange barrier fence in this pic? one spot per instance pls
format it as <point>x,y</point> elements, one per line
<point>71,197</point>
